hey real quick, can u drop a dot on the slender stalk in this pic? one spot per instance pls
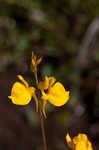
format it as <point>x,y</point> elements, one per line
<point>36,78</point>
<point>41,116</point>
<point>42,128</point>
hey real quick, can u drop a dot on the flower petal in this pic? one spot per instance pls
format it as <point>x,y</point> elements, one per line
<point>57,95</point>
<point>51,81</point>
<point>43,85</point>
<point>69,141</point>
<point>20,95</point>
<point>22,79</point>
<point>79,142</point>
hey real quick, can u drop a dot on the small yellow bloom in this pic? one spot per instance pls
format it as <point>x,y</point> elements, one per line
<point>35,62</point>
<point>21,93</point>
<point>79,142</point>
<point>55,94</point>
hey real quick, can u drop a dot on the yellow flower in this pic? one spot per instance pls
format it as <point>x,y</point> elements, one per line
<point>21,93</point>
<point>79,142</point>
<point>55,94</point>
<point>35,62</point>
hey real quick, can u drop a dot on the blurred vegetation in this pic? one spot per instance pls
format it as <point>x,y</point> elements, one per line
<point>56,30</point>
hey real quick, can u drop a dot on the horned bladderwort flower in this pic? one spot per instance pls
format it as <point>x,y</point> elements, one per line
<point>22,93</point>
<point>54,92</point>
<point>79,142</point>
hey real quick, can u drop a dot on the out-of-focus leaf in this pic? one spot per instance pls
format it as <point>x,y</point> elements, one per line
<point>22,45</point>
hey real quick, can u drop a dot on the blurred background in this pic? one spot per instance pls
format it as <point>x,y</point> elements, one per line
<point>66,34</point>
